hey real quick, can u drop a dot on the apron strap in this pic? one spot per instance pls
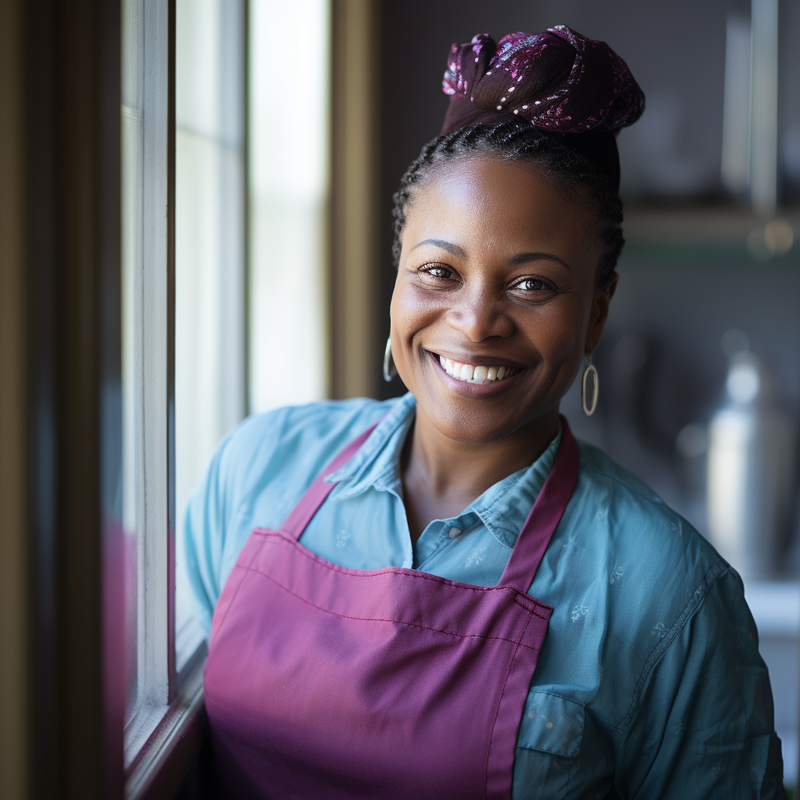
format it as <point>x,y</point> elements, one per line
<point>545,515</point>
<point>315,495</point>
<point>534,536</point>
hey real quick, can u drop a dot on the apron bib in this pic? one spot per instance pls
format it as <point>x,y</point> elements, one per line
<point>328,682</point>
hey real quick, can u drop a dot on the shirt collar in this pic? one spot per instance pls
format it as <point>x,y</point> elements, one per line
<point>502,508</point>
<point>377,463</point>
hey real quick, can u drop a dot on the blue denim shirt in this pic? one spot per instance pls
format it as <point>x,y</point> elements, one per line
<point>649,684</point>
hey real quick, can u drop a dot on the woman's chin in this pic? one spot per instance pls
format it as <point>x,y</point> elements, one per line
<point>482,426</point>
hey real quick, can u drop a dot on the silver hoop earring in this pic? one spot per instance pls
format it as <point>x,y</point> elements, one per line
<point>389,369</point>
<point>590,369</point>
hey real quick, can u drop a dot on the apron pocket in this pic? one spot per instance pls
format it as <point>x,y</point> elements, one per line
<point>552,724</point>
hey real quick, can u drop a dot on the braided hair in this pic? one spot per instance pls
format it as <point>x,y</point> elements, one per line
<point>519,142</point>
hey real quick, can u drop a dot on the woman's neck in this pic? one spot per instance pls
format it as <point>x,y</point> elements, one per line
<point>442,476</point>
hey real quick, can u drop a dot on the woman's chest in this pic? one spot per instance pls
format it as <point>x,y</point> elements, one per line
<point>556,747</point>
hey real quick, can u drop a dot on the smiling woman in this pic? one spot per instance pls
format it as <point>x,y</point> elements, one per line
<point>498,272</point>
<point>445,595</point>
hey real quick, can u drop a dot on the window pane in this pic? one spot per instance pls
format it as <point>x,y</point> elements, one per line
<point>288,190</point>
<point>132,175</point>
<point>209,253</point>
<point>145,366</point>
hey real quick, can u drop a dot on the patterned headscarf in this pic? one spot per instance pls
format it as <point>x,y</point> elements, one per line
<point>559,81</point>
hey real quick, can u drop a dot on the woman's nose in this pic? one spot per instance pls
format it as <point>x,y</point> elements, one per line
<point>480,315</point>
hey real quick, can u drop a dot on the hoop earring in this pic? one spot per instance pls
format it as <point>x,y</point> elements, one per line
<point>590,369</point>
<point>389,369</point>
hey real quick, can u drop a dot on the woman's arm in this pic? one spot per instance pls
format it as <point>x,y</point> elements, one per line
<point>204,535</point>
<point>703,723</point>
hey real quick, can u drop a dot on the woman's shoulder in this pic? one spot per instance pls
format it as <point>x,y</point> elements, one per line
<point>652,589</point>
<point>311,433</point>
<point>635,518</point>
<point>650,568</point>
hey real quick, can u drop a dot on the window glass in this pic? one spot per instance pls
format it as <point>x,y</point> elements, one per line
<point>288,192</point>
<point>209,253</point>
<point>132,131</point>
<point>145,363</point>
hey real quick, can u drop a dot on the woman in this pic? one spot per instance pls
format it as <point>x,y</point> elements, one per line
<point>445,596</point>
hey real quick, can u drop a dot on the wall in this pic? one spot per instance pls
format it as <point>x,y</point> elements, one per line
<point>13,562</point>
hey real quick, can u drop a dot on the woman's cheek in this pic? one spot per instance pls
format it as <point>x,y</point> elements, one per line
<point>562,333</point>
<point>412,311</point>
<point>404,312</point>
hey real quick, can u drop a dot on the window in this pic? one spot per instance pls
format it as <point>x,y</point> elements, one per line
<point>183,338</point>
<point>147,379</point>
<point>185,330</point>
<point>110,435</point>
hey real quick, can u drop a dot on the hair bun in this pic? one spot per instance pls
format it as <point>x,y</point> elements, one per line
<point>559,81</point>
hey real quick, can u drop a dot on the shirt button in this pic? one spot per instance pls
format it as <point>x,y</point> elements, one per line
<point>455,532</point>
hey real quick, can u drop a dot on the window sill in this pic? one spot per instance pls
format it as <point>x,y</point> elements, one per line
<point>165,741</point>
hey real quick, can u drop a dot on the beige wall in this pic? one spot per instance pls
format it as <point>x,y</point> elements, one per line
<point>356,346</point>
<point>13,556</point>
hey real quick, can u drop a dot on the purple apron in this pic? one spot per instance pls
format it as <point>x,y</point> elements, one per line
<point>327,682</point>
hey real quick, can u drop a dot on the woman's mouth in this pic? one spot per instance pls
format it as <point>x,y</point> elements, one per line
<point>468,373</point>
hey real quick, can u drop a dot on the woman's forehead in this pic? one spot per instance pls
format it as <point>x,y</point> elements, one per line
<point>497,203</point>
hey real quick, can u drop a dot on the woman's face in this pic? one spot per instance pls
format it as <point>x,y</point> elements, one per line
<point>497,270</point>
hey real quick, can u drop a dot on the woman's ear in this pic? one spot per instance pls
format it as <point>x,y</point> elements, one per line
<point>597,322</point>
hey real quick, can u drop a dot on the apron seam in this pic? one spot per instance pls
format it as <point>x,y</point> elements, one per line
<point>401,571</point>
<point>398,621</point>
<point>537,606</point>
<point>236,592</point>
<point>497,710</point>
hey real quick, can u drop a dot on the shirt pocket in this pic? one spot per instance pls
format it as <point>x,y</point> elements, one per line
<point>552,724</point>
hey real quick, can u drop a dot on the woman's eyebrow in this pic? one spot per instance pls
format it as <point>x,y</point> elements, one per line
<point>514,261</point>
<point>445,245</point>
<point>524,258</point>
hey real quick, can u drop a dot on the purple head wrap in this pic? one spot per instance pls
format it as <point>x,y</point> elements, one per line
<point>559,81</point>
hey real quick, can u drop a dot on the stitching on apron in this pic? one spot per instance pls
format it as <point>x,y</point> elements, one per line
<point>499,702</point>
<point>239,586</point>
<point>537,606</point>
<point>400,571</point>
<point>398,621</point>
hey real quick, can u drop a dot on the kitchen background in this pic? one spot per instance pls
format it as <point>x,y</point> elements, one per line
<point>699,367</point>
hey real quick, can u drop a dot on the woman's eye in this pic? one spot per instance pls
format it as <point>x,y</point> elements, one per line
<point>437,273</point>
<point>532,285</point>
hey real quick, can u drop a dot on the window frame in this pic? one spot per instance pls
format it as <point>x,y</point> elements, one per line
<point>164,734</point>
<point>71,278</point>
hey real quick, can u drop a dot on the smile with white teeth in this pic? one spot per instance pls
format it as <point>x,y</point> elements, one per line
<point>471,374</point>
